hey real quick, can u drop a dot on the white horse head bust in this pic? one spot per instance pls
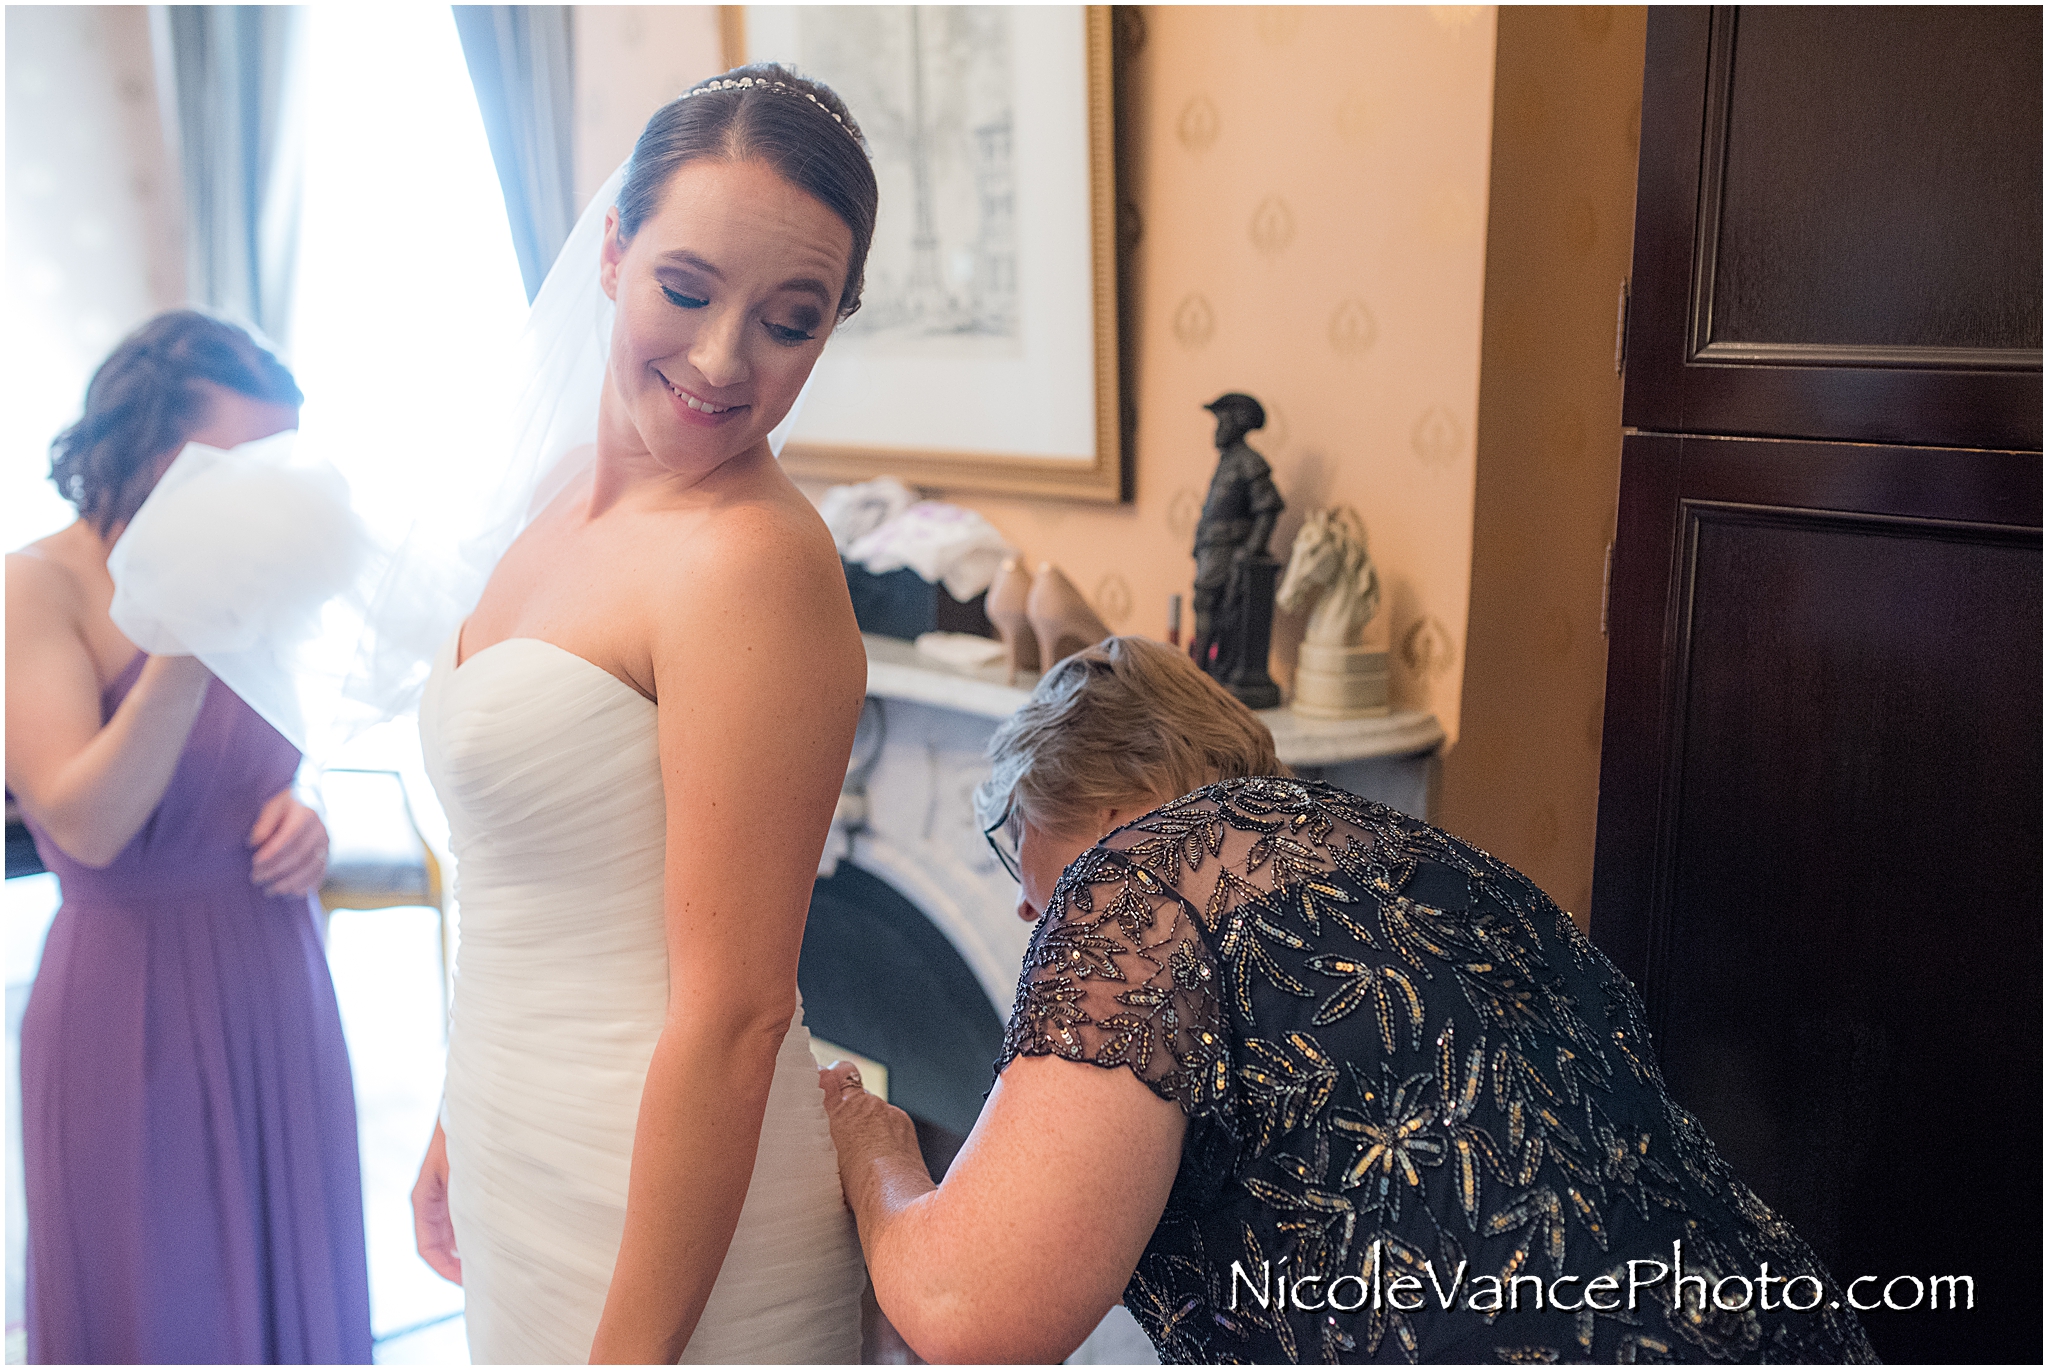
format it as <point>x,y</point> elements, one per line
<point>1331,569</point>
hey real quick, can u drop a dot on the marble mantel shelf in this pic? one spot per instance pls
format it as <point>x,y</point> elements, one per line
<point>897,670</point>
<point>906,815</point>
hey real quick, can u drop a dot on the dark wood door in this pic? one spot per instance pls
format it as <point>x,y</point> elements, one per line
<point>1838,225</point>
<point>1819,848</point>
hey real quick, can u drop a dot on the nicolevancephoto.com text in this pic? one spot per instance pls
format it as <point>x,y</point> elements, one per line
<point>1637,1281</point>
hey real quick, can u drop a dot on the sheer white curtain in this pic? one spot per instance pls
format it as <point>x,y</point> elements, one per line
<point>409,291</point>
<point>522,63</point>
<point>237,93</point>
<point>406,278</point>
<point>408,287</point>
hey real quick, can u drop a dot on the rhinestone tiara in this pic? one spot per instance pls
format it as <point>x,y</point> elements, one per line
<point>749,83</point>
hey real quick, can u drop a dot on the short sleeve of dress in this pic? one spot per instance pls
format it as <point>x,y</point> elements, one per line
<point>1117,976</point>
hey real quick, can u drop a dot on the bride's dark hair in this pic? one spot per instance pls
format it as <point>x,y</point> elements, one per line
<point>764,112</point>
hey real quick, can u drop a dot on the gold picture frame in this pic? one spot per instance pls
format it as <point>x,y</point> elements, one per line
<point>1101,476</point>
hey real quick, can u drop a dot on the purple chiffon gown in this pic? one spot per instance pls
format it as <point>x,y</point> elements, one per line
<point>188,1120</point>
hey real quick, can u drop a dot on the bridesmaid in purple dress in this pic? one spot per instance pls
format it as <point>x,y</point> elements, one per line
<point>188,1121</point>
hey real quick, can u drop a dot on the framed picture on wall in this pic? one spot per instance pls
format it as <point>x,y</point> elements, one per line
<point>985,354</point>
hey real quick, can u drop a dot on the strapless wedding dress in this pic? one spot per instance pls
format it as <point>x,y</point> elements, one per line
<point>550,772</point>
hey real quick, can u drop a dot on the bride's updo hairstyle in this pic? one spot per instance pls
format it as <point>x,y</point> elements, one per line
<point>144,402</point>
<point>763,113</point>
<point>1119,722</point>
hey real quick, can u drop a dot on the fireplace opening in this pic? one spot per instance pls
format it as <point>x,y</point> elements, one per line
<point>878,978</point>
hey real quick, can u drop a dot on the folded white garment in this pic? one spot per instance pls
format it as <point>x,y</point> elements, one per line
<point>854,511</point>
<point>963,650</point>
<point>944,543</point>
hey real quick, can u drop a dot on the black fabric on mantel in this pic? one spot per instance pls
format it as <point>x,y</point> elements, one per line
<point>1386,1040</point>
<point>903,604</point>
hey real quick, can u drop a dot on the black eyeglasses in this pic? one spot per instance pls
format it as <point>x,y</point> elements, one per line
<point>1002,840</point>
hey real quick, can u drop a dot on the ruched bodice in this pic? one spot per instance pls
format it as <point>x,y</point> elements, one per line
<point>550,770</point>
<point>551,775</point>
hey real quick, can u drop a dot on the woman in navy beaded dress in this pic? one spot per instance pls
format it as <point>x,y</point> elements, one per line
<point>1301,1078</point>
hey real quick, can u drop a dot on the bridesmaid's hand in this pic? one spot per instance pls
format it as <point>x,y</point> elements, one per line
<point>433,1231</point>
<point>864,1130</point>
<point>291,847</point>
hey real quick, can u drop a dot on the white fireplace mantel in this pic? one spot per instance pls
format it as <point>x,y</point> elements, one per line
<point>907,815</point>
<point>897,670</point>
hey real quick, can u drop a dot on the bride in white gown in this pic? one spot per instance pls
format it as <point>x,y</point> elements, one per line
<point>639,734</point>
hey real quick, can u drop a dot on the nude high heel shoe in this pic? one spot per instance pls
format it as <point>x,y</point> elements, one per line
<point>1060,618</point>
<point>1007,608</point>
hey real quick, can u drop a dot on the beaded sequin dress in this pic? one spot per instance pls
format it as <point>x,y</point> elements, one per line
<point>1424,1119</point>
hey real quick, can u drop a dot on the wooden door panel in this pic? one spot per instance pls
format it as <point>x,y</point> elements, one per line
<point>1838,226</point>
<point>1850,945</point>
<point>1820,843</point>
<point>1902,222</point>
<point>1660,475</point>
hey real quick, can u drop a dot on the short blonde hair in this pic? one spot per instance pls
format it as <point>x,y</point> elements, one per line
<point>1123,720</point>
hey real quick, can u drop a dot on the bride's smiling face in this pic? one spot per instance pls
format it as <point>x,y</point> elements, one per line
<point>725,298</point>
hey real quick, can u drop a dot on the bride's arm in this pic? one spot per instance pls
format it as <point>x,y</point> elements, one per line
<point>759,673</point>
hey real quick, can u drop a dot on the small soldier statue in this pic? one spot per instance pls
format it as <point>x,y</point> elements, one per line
<point>1234,575</point>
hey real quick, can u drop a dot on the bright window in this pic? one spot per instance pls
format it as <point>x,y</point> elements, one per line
<point>408,292</point>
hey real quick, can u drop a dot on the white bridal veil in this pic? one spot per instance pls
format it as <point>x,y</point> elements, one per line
<point>256,562</point>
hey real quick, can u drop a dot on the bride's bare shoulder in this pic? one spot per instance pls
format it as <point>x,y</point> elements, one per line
<point>761,564</point>
<point>773,533</point>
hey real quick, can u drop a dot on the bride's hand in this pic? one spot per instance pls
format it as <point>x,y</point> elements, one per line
<point>431,1227</point>
<point>864,1129</point>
